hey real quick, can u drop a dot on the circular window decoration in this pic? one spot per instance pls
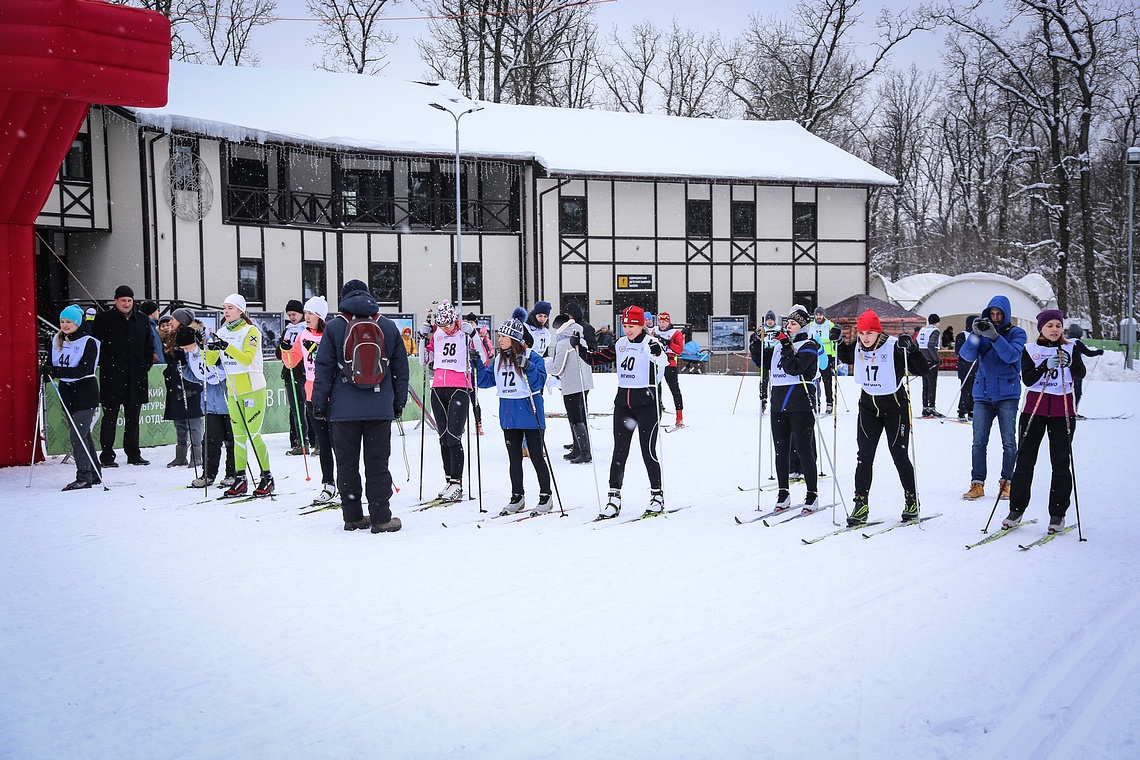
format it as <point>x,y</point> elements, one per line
<point>188,187</point>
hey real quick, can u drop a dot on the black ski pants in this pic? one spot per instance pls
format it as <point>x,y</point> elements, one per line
<point>930,390</point>
<point>966,373</point>
<point>674,388</point>
<point>218,431</point>
<point>110,424</point>
<point>1032,428</point>
<point>792,431</point>
<point>449,407</point>
<point>871,427</point>
<point>376,437</point>
<point>534,444</point>
<point>626,420</point>
<point>320,430</point>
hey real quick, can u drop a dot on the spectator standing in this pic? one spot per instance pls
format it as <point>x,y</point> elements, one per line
<point>126,353</point>
<point>359,416</point>
<point>150,308</point>
<point>929,340</point>
<point>966,372</point>
<point>996,345</point>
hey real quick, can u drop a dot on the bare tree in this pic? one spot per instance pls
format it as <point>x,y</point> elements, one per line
<point>226,25</point>
<point>805,69</point>
<point>351,34</point>
<point>626,71</point>
<point>506,50</point>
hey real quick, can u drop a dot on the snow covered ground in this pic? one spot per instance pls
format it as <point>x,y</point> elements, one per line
<point>141,623</point>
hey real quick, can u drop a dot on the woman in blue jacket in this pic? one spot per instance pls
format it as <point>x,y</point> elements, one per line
<point>518,375</point>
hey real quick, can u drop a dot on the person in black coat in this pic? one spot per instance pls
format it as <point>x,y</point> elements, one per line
<point>358,415</point>
<point>793,368</point>
<point>74,358</point>
<point>126,355</point>
<point>966,372</point>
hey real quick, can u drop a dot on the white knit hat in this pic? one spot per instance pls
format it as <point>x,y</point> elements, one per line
<point>318,305</point>
<point>235,299</point>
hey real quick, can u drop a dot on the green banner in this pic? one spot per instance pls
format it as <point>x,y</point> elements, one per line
<point>155,431</point>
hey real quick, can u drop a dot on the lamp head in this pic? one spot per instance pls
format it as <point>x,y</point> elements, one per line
<point>1132,157</point>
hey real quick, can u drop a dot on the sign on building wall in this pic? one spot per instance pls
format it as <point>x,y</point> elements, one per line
<point>728,334</point>
<point>635,282</point>
<point>271,325</point>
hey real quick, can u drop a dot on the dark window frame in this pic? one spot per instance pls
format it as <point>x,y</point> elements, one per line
<point>574,224</point>
<point>77,160</point>
<point>698,219</point>
<point>472,282</point>
<point>385,281</point>
<point>743,229</point>
<point>308,287</point>
<point>258,266</point>
<point>805,220</point>
<point>698,309</point>
<point>743,302</point>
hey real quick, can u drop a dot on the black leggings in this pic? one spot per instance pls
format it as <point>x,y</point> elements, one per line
<point>575,404</point>
<point>534,437</point>
<point>674,388</point>
<point>449,407</point>
<point>644,418</point>
<point>792,431</point>
<point>1032,429</point>
<point>867,434</point>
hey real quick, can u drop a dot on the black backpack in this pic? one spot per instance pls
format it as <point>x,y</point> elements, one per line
<point>364,362</point>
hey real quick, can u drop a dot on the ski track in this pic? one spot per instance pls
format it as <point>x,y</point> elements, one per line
<point>1056,714</point>
<point>513,647</point>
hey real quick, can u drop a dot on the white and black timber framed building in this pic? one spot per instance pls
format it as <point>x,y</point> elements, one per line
<point>283,185</point>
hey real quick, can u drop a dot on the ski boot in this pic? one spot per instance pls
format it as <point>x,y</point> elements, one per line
<point>515,505</point>
<point>910,507</point>
<point>265,485</point>
<point>858,515</point>
<point>545,503</point>
<point>656,503</point>
<point>1012,520</point>
<point>613,506</point>
<point>237,488</point>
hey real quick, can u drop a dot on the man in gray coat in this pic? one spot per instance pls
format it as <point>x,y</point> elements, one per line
<point>575,377</point>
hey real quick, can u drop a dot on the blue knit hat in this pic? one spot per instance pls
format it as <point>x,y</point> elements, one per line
<point>542,307</point>
<point>73,313</point>
<point>513,327</point>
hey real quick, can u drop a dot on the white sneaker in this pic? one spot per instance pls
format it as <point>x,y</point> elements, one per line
<point>327,494</point>
<point>453,491</point>
<point>545,503</point>
<point>516,504</point>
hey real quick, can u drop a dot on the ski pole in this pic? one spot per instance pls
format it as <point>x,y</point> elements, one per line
<point>423,409</point>
<point>961,386</point>
<point>189,429</point>
<point>913,445</point>
<point>586,422</point>
<point>760,437</point>
<point>36,431</point>
<point>478,414</point>
<point>300,426</point>
<point>743,372</point>
<point>545,450</point>
<point>404,444</point>
<point>1070,429</point>
<point>1020,441</point>
<point>75,427</point>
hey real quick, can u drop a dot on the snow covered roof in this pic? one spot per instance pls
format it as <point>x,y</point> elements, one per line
<point>354,112</point>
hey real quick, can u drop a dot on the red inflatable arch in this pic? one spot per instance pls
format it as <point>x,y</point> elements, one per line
<point>57,57</point>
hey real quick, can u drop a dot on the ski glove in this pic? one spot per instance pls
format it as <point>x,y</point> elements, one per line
<point>1053,361</point>
<point>575,340</point>
<point>1064,358</point>
<point>521,361</point>
<point>217,344</point>
<point>320,414</point>
<point>986,329</point>
<point>310,345</point>
<point>467,328</point>
<point>284,344</point>
<point>47,369</point>
<point>398,410</point>
<point>425,329</point>
<point>905,341</point>
<point>474,358</point>
<point>654,348</point>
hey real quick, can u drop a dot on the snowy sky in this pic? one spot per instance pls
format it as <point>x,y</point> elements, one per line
<point>283,44</point>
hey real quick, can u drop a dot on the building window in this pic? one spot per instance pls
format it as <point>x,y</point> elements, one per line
<point>572,216</point>
<point>312,279</point>
<point>744,304</point>
<point>803,221</point>
<point>698,309</point>
<point>77,163</point>
<point>384,281</point>
<point>698,219</point>
<point>247,186</point>
<point>472,282</point>
<point>806,298</point>
<point>744,220</point>
<point>367,196</point>
<point>251,280</point>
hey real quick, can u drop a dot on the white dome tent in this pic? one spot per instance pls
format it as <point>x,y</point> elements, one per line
<point>955,298</point>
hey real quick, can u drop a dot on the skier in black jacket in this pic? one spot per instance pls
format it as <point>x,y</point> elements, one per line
<point>793,368</point>
<point>881,364</point>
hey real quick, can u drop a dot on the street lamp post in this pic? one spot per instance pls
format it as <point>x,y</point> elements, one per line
<point>1131,161</point>
<point>457,115</point>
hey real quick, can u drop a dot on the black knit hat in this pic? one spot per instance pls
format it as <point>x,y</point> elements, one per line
<point>933,319</point>
<point>185,336</point>
<point>124,291</point>
<point>295,305</point>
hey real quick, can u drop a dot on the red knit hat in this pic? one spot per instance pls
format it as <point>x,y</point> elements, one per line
<point>664,316</point>
<point>869,322</point>
<point>634,315</point>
